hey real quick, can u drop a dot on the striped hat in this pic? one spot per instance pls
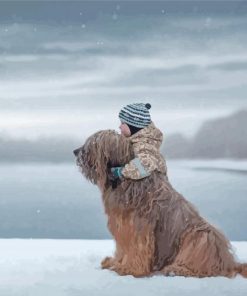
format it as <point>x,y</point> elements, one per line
<point>136,115</point>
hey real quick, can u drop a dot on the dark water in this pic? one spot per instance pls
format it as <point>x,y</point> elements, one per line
<point>55,201</point>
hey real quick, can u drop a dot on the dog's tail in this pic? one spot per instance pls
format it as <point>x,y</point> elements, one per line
<point>242,269</point>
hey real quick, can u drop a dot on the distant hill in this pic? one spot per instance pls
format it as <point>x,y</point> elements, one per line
<point>224,137</point>
<point>176,146</point>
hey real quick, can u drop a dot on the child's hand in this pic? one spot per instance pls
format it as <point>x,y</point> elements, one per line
<point>116,172</point>
<point>115,176</point>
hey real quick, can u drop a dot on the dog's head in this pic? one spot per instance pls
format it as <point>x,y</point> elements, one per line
<point>100,152</point>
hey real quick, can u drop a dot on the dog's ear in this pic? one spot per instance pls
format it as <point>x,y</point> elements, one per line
<point>110,165</point>
<point>115,183</point>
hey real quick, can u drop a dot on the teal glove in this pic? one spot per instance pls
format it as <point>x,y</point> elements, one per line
<point>117,172</point>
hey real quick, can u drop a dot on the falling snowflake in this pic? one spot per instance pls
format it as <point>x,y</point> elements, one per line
<point>208,22</point>
<point>114,16</point>
<point>83,26</point>
<point>38,211</point>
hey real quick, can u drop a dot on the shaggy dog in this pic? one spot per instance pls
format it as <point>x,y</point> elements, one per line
<point>155,228</point>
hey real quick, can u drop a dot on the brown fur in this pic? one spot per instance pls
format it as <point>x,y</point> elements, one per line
<point>155,228</point>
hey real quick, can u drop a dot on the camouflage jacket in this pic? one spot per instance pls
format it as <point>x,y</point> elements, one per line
<point>146,144</point>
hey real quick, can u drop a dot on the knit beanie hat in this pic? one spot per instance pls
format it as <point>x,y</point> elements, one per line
<point>136,115</point>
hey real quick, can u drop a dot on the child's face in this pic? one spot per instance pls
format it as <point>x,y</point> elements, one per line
<point>125,130</point>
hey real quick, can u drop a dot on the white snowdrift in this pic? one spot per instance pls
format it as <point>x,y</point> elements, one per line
<point>72,267</point>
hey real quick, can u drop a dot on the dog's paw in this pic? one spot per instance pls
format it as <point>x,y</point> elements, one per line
<point>119,270</point>
<point>107,262</point>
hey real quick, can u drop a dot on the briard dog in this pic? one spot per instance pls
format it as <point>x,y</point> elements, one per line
<point>156,230</point>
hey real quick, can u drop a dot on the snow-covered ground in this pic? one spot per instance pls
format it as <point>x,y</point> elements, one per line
<point>72,267</point>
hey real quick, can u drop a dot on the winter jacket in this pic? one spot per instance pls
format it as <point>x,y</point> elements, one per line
<point>146,144</point>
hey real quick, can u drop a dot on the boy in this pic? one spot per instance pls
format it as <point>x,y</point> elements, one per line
<point>146,140</point>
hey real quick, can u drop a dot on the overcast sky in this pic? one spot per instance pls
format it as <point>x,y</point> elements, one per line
<point>66,68</point>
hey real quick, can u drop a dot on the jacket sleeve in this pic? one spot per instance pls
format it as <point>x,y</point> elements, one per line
<point>135,170</point>
<point>139,167</point>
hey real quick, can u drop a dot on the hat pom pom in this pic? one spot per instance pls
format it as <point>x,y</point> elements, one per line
<point>148,106</point>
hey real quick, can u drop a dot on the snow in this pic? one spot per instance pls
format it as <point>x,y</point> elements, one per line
<point>72,267</point>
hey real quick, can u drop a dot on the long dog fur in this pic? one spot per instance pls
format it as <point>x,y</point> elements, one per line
<point>155,228</point>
